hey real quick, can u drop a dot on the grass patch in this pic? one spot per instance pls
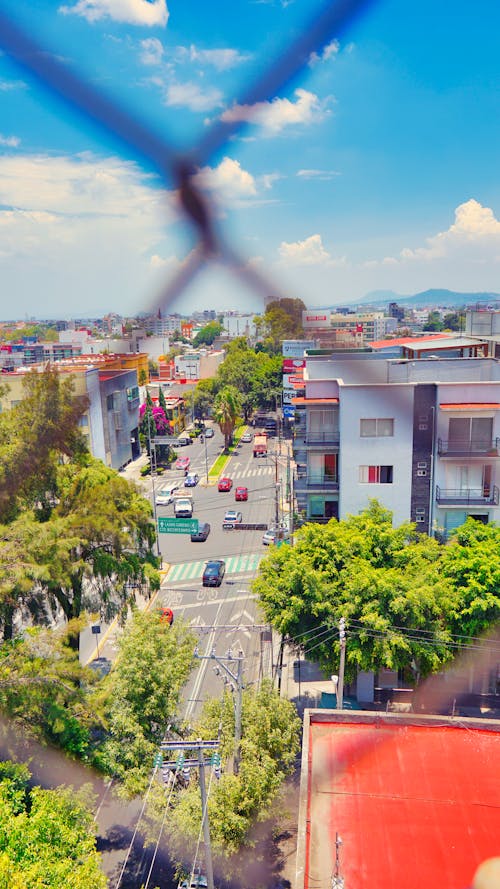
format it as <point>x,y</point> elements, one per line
<point>216,469</point>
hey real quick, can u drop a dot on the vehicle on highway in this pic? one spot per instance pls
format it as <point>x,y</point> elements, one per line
<point>247,436</point>
<point>166,615</point>
<point>272,535</point>
<point>183,508</point>
<point>214,572</point>
<point>201,534</point>
<point>260,445</point>
<point>209,432</point>
<point>182,463</point>
<point>241,493</point>
<point>232,516</point>
<point>165,495</point>
<point>225,484</point>
<point>191,480</point>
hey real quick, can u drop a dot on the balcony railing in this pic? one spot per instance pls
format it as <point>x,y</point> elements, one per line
<point>468,496</point>
<point>304,480</point>
<point>469,447</point>
<point>325,436</point>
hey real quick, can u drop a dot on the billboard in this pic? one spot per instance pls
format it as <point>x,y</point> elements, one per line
<point>315,319</point>
<point>290,365</point>
<point>296,348</point>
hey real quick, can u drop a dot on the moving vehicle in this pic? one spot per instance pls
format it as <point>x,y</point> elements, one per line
<point>201,534</point>
<point>165,495</point>
<point>214,572</point>
<point>182,463</point>
<point>191,480</point>
<point>225,484</point>
<point>209,432</point>
<point>184,440</point>
<point>270,426</point>
<point>272,535</point>
<point>241,493</point>
<point>247,436</point>
<point>233,517</point>
<point>183,508</point>
<point>260,445</point>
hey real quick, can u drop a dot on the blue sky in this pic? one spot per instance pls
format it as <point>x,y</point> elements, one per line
<point>375,168</point>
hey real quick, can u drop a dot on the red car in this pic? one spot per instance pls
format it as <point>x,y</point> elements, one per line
<point>241,494</point>
<point>182,463</point>
<point>225,484</point>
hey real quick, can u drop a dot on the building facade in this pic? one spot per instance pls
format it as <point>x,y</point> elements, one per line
<point>421,437</point>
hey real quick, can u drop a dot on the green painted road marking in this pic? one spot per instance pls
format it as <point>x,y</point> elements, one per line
<point>234,565</point>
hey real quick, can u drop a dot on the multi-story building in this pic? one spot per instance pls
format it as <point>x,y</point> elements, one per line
<point>423,437</point>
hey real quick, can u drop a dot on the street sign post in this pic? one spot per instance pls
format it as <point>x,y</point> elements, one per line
<point>169,525</point>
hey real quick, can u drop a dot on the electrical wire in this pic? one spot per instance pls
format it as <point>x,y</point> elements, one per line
<point>132,841</point>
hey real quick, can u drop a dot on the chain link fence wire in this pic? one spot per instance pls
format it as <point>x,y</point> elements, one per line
<point>331,21</point>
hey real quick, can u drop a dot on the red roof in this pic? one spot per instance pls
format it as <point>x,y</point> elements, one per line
<point>415,805</point>
<point>406,340</point>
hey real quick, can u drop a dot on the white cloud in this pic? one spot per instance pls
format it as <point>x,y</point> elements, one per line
<point>133,12</point>
<point>190,95</point>
<point>323,175</point>
<point>151,51</point>
<point>9,141</point>
<point>307,252</point>
<point>229,181</point>
<point>221,59</point>
<point>277,114</point>
<point>474,236</point>
<point>7,86</point>
<point>328,52</point>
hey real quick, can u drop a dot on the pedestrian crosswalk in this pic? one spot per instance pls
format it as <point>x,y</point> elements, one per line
<point>241,564</point>
<point>252,473</point>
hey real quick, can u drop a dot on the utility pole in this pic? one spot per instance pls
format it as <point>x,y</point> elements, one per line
<point>198,747</point>
<point>152,469</point>
<point>340,686</point>
<point>277,503</point>
<point>290,496</point>
<point>235,680</point>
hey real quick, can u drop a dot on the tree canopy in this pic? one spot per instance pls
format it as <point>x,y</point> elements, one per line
<point>388,583</point>
<point>207,334</point>
<point>227,409</point>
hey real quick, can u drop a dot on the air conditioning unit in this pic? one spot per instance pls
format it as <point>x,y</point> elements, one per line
<point>422,465</point>
<point>421,473</point>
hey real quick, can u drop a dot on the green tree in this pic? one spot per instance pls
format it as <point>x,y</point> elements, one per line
<point>471,562</point>
<point>386,582</point>
<point>35,436</point>
<point>154,661</point>
<point>269,745</point>
<point>207,334</point>
<point>226,411</point>
<point>47,837</point>
<point>281,320</point>
<point>434,322</point>
<point>95,548</point>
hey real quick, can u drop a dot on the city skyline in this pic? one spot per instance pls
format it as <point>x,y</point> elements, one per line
<point>375,169</point>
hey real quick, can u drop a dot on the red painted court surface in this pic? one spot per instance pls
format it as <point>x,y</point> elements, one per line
<point>417,807</point>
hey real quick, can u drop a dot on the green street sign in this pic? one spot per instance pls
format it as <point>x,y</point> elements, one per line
<point>169,525</point>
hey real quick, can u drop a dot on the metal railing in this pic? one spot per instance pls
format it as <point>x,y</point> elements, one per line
<point>469,447</point>
<point>468,496</point>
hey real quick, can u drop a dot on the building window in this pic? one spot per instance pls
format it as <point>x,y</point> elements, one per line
<point>375,475</point>
<point>376,428</point>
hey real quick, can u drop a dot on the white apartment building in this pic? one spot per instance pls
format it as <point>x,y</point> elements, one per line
<point>422,437</point>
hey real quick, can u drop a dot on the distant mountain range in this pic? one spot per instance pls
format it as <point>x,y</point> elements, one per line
<point>434,297</point>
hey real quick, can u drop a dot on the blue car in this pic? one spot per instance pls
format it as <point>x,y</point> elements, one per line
<point>191,480</point>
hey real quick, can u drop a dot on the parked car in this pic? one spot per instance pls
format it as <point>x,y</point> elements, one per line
<point>191,480</point>
<point>272,535</point>
<point>182,463</point>
<point>233,517</point>
<point>183,508</point>
<point>209,432</point>
<point>184,440</point>
<point>214,573</point>
<point>201,534</point>
<point>225,484</point>
<point>247,436</point>
<point>241,493</point>
<point>165,495</point>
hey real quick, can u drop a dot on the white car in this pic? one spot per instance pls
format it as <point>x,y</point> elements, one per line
<point>165,495</point>
<point>183,508</point>
<point>247,436</point>
<point>272,535</point>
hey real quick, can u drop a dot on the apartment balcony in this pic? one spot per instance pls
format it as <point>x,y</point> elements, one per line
<point>460,448</point>
<point>307,482</point>
<point>468,496</point>
<point>326,438</point>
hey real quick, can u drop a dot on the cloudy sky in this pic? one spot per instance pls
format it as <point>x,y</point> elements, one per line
<point>375,167</point>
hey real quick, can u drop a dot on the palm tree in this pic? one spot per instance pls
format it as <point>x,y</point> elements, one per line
<point>227,409</point>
